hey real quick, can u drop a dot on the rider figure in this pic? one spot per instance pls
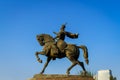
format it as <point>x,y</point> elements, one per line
<point>61,35</point>
<point>61,44</point>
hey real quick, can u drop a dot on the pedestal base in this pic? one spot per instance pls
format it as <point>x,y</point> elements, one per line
<point>59,77</point>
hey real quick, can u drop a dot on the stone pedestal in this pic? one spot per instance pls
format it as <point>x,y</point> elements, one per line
<point>59,77</point>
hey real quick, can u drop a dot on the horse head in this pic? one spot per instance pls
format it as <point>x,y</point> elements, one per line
<point>40,39</point>
<point>44,38</point>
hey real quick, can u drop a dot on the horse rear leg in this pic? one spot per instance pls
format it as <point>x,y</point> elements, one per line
<point>68,70</point>
<point>82,65</point>
<point>74,62</point>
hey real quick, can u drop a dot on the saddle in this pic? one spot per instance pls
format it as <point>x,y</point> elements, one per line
<point>61,45</point>
<point>56,48</point>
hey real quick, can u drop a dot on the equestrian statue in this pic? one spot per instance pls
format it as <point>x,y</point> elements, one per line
<point>57,48</point>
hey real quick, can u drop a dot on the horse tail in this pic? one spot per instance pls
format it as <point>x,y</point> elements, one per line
<point>85,51</point>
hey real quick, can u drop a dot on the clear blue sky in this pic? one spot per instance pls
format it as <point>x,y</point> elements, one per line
<point>97,22</point>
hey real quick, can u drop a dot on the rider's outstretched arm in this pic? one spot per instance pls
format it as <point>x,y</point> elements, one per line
<point>71,35</point>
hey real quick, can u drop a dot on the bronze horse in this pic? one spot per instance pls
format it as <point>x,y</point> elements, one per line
<point>71,52</point>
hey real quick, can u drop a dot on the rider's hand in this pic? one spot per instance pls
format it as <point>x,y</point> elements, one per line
<point>77,35</point>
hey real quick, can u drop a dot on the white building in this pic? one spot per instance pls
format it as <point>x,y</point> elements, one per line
<point>103,75</point>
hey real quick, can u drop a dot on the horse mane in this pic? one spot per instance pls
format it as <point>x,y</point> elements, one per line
<point>48,36</point>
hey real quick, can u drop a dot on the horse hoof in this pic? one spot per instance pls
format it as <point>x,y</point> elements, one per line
<point>84,73</point>
<point>39,60</point>
<point>41,73</point>
<point>67,73</point>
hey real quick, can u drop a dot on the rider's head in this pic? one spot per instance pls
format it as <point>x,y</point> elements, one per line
<point>63,27</point>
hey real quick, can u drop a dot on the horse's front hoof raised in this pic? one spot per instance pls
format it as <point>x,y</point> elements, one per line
<point>39,60</point>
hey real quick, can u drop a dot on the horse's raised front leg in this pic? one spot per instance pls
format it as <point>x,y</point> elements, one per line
<point>45,65</point>
<point>37,53</point>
